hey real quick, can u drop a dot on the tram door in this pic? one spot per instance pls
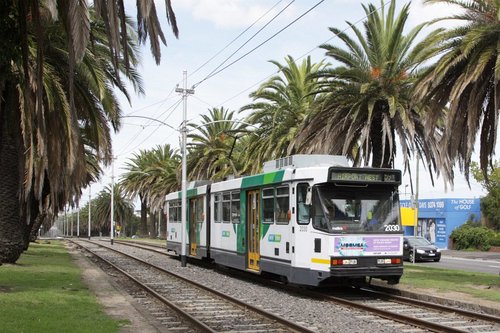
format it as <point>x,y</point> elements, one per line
<point>253,230</point>
<point>192,226</point>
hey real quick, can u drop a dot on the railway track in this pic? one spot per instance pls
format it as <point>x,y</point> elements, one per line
<point>426,315</point>
<point>196,306</point>
<point>386,308</point>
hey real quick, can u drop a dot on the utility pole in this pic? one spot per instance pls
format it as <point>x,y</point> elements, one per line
<point>90,201</point>
<point>112,199</point>
<point>78,221</point>
<point>416,200</point>
<point>159,223</point>
<point>185,92</point>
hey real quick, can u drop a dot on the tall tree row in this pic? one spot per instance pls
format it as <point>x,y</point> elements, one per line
<point>61,64</point>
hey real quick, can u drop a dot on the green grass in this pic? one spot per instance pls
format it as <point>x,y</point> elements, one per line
<point>479,285</point>
<point>43,292</point>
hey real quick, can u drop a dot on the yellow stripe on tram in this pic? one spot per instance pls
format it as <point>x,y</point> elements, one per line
<point>320,261</point>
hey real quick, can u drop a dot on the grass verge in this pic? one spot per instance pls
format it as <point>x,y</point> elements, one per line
<point>478,285</point>
<point>44,292</point>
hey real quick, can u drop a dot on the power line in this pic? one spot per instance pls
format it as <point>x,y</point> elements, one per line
<point>302,56</point>
<point>259,82</point>
<point>261,44</point>
<point>171,108</point>
<point>247,41</point>
<point>153,104</point>
<point>236,38</point>
<point>211,74</point>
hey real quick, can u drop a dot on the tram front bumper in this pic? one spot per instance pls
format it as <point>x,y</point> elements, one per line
<point>366,266</point>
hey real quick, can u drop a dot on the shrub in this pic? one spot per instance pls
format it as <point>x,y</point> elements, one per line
<point>472,236</point>
<point>495,240</point>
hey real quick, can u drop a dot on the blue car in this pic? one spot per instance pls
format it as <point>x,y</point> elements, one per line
<point>421,248</point>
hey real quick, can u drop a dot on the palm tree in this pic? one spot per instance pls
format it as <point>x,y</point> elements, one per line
<point>163,173</point>
<point>123,208</point>
<point>210,150</point>
<point>281,105</point>
<point>43,109</point>
<point>151,174</point>
<point>369,101</point>
<point>466,81</point>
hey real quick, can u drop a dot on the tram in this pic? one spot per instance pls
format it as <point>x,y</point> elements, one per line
<point>309,219</point>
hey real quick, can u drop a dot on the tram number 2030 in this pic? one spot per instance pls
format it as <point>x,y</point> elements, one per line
<point>392,228</point>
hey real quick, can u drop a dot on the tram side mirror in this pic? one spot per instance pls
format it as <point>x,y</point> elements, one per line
<point>308,197</point>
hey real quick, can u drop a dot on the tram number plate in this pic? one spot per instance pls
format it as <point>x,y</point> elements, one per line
<point>383,261</point>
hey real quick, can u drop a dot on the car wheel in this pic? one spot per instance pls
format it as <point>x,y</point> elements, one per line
<point>410,257</point>
<point>436,260</point>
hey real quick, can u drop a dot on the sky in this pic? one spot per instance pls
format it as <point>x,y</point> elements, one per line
<point>207,27</point>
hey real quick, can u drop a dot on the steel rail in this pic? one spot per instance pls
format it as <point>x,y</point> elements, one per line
<point>173,306</point>
<point>436,327</point>
<point>293,326</point>
<point>409,301</point>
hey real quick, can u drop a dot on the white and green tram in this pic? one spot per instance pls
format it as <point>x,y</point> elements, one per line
<point>309,219</point>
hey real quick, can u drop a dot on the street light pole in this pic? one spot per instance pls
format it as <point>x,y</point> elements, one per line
<point>90,210</point>
<point>416,200</point>
<point>185,93</point>
<point>112,199</point>
<point>78,221</point>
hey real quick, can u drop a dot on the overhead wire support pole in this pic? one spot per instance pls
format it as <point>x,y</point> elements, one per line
<point>112,230</point>
<point>78,221</point>
<point>185,92</point>
<point>90,208</point>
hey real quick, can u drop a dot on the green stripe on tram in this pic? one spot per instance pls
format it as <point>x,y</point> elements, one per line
<point>189,193</point>
<point>263,179</point>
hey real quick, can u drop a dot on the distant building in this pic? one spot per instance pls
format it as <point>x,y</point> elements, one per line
<point>437,218</point>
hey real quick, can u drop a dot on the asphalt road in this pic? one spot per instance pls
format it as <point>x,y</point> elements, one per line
<point>480,265</point>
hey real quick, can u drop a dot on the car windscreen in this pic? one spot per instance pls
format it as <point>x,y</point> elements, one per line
<point>419,242</point>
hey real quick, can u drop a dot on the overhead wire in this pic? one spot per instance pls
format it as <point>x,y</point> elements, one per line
<point>302,56</point>
<point>214,73</point>
<point>196,70</point>
<point>247,41</point>
<point>171,109</point>
<point>258,46</point>
<point>234,40</point>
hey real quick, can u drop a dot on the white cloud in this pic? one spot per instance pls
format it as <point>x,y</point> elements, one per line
<point>420,12</point>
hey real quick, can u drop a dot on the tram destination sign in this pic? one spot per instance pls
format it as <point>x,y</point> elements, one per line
<point>364,176</point>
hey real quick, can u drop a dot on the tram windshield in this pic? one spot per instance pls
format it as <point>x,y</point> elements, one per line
<point>373,208</point>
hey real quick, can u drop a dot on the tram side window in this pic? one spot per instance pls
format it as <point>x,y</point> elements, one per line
<point>217,204</point>
<point>235,207</point>
<point>171,212</point>
<point>282,204</point>
<point>226,207</point>
<point>174,212</point>
<point>268,205</point>
<point>302,207</point>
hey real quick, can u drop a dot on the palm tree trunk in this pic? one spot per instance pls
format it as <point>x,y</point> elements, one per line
<point>11,226</point>
<point>382,157</point>
<point>144,216</point>
<point>35,221</point>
